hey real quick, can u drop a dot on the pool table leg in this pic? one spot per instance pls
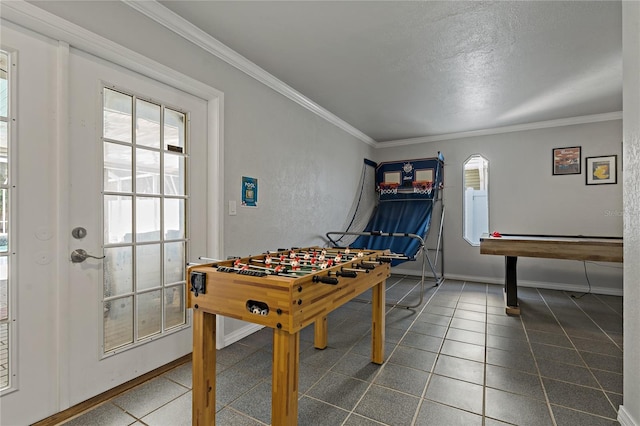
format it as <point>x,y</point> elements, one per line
<point>511,285</point>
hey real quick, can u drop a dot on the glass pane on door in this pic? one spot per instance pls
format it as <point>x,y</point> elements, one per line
<point>149,314</point>
<point>118,322</point>
<point>145,200</point>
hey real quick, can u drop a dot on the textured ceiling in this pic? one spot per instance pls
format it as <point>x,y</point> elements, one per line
<point>404,69</point>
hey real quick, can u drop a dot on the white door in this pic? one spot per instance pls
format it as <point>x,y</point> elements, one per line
<point>28,352</point>
<point>137,195</point>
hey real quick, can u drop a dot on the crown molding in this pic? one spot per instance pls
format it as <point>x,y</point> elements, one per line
<point>174,22</point>
<point>595,118</point>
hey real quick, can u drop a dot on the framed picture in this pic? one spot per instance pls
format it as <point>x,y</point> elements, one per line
<point>566,161</point>
<point>602,170</point>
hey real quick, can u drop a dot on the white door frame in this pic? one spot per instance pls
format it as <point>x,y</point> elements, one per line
<point>72,35</point>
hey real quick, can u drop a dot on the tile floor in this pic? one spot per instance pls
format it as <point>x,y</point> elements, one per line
<point>455,360</point>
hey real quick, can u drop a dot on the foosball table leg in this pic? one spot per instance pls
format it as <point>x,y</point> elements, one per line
<point>204,369</point>
<point>284,392</point>
<point>320,333</point>
<point>378,323</point>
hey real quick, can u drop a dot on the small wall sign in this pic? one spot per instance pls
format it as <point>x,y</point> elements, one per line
<point>249,191</point>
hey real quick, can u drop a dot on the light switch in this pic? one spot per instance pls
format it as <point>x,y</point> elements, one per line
<point>232,208</point>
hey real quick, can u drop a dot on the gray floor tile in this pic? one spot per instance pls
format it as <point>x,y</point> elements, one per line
<point>393,336</point>
<point>463,350</point>
<point>505,320</point>
<point>358,420</point>
<point>506,331</point>
<point>466,336</point>
<point>175,413</point>
<point>554,339</point>
<point>256,365</point>
<point>388,406</point>
<point>260,339</point>
<point>611,382</point>
<point>470,315</point>
<point>556,353</point>
<point>516,409</point>
<point>426,316</point>
<point>514,381</point>
<point>232,383</point>
<point>429,329</point>
<point>422,341</point>
<point>317,358</point>
<point>256,403</point>
<point>567,417</point>
<point>343,341</point>
<point>507,343</point>
<point>106,414</point>
<point>584,386</point>
<point>472,306</point>
<point>403,379</point>
<point>339,390</point>
<point>461,369</point>
<point>566,373</point>
<point>603,347</point>
<point>413,357</point>
<point>456,393</point>
<point>232,354</point>
<point>149,396</point>
<point>181,374</point>
<point>464,324</point>
<point>432,413</point>
<point>517,360</point>
<point>602,362</point>
<point>581,398</point>
<point>439,310</point>
<point>493,422</point>
<point>229,416</point>
<point>312,412</point>
<point>357,366</point>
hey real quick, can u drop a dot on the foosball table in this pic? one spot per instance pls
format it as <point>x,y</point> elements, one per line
<point>285,290</point>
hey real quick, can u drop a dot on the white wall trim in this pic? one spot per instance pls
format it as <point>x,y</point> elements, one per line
<point>625,418</point>
<point>521,283</point>
<point>185,29</point>
<point>595,118</point>
<point>539,284</point>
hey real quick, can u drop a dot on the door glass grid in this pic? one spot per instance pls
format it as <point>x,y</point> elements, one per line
<point>144,201</point>
<point>6,331</point>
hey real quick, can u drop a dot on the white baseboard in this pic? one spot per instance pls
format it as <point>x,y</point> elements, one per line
<point>521,283</point>
<point>240,334</point>
<point>625,418</point>
<point>540,284</point>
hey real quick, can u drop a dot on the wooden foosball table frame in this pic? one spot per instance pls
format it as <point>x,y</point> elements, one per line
<point>287,302</point>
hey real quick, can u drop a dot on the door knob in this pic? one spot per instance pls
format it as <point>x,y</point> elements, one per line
<point>80,255</point>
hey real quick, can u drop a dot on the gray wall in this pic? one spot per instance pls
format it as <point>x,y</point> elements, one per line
<point>524,197</point>
<point>629,413</point>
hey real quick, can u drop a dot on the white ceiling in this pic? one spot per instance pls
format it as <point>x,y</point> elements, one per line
<point>406,69</point>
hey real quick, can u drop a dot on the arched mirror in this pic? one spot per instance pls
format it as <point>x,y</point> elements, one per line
<point>475,185</point>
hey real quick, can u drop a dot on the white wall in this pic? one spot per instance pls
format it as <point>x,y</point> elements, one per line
<point>524,197</point>
<point>629,413</point>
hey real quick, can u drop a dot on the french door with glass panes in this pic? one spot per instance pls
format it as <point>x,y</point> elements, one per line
<point>144,203</point>
<point>136,148</point>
